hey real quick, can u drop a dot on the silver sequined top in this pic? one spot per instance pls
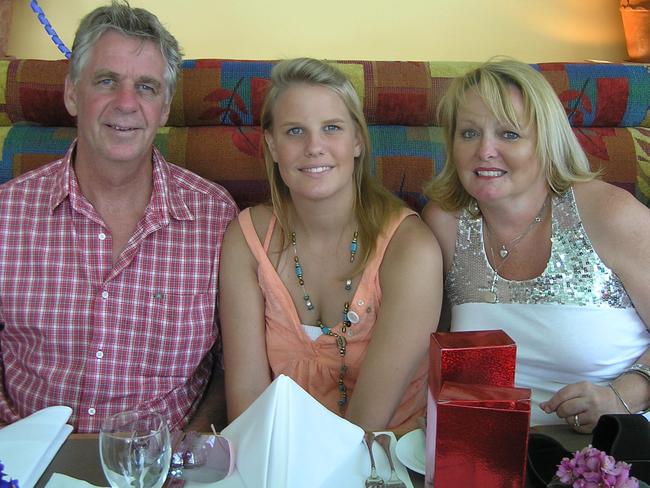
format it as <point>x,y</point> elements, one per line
<point>574,275</point>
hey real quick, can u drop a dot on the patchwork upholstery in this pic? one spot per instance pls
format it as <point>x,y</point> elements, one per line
<point>213,127</point>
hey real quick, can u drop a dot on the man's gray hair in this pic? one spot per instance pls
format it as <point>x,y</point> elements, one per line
<point>139,23</point>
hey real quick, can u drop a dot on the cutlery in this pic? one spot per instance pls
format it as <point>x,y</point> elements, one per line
<point>373,481</point>
<point>394,481</point>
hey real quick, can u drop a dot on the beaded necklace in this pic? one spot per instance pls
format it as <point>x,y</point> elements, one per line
<point>341,343</point>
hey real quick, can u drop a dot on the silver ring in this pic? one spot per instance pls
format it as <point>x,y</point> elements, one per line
<point>576,422</point>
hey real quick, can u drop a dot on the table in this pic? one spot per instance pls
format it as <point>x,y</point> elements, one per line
<point>79,456</point>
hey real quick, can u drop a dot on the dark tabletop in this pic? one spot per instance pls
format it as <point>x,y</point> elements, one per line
<point>79,456</point>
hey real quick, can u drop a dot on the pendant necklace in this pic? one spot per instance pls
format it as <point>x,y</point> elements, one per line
<point>349,316</point>
<point>490,295</point>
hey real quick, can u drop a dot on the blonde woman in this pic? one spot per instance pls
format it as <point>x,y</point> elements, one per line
<point>533,244</point>
<point>335,283</point>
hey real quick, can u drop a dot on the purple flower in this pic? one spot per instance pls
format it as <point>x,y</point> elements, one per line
<point>565,471</point>
<point>12,483</point>
<point>591,468</point>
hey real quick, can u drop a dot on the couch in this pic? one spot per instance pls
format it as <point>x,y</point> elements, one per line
<point>213,127</point>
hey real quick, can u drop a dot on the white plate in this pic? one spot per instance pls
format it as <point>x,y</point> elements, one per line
<point>410,450</point>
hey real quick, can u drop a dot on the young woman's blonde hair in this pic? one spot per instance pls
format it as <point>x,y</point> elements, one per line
<point>373,205</point>
<point>562,159</point>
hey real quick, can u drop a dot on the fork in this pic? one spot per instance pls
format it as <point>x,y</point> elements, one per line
<point>373,481</point>
<point>394,481</point>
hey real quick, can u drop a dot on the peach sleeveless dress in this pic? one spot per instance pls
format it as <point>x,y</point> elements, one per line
<point>314,364</point>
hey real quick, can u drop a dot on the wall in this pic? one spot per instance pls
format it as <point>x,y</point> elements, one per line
<point>459,30</point>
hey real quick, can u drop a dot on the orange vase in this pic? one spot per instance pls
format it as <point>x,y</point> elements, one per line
<point>636,24</point>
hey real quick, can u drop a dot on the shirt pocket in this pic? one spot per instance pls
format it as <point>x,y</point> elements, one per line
<point>180,332</point>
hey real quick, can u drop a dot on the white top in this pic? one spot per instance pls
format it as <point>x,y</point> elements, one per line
<point>312,331</point>
<point>558,345</point>
<point>575,322</point>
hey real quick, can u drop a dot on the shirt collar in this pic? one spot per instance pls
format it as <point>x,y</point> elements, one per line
<point>166,199</point>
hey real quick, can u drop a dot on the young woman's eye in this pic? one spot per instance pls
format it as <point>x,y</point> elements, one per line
<point>468,133</point>
<point>294,131</point>
<point>332,128</point>
<point>510,135</point>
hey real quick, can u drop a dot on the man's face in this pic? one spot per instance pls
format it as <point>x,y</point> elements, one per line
<point>119,101</point>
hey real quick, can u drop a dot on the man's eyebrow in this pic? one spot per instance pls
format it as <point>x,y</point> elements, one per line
<point>105,73</point>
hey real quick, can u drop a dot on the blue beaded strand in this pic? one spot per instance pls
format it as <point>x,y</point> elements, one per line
<point>354,246</point>
<point>49,29</point>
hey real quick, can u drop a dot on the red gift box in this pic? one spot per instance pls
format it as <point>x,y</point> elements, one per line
<point>472,358</point>
<point>482,436</point>
<point>480,358</point>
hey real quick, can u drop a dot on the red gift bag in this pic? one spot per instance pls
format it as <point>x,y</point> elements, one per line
<point>482,436</point>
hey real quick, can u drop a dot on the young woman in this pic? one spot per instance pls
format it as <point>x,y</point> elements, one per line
<point>335,283</point>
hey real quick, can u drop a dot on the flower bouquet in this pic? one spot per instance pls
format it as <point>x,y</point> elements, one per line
<point>592,468</point>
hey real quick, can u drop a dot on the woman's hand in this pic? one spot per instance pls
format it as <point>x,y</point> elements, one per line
<point>582,404</point>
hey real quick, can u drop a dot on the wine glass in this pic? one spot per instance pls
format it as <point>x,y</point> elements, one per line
<point>135,449</point>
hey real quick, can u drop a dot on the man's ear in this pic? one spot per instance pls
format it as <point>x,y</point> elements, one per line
<point>164,115</point>
<point>70,96</point>
<point>268,137</point>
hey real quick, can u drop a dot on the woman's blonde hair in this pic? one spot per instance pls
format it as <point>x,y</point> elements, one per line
<point>562,159</point>
<point>373,205</point>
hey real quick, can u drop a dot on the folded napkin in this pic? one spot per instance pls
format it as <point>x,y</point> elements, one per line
<point>287,439</point>
<point>58,480</point>
<point>28,446</point>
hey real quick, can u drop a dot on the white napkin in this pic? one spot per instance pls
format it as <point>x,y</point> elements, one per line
<point>58,480</point>
<point>28,446</point>
<point>287,439</point>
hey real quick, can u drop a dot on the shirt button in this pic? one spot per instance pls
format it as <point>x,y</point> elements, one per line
<point>101,236</point>
<point>104,294</point>
<point>91,411</point>
<point>99,354</point>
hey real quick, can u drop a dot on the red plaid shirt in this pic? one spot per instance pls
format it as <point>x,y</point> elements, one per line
<point>98,337</point>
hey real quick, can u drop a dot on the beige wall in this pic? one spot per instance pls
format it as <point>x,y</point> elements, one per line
<point>456,30</point>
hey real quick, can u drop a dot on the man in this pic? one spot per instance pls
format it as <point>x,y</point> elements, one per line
<point>109,257</point>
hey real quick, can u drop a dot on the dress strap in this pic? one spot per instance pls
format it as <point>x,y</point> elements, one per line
<point>385,237</point>
<point>250,234</point>
<point>269,233</point>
